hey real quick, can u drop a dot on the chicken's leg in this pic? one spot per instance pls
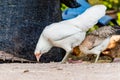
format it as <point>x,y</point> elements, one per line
<point>66,57</point>
<point>97,57</point>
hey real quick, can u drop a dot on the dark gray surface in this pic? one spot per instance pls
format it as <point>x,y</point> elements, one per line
<point>22,21</point>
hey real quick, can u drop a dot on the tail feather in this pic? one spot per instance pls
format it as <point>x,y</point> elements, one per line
<point>117,30</point>
<point>106,31</point>
<point>89,18</point>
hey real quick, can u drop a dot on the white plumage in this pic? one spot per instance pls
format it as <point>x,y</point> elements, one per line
<point>69,33</point>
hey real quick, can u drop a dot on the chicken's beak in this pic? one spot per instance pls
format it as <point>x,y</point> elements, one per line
<point>38,55</point>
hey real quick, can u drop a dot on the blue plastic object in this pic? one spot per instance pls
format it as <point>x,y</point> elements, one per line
<point>73,12</point>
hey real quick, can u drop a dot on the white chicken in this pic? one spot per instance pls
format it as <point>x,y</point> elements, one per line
<point>69,33</point>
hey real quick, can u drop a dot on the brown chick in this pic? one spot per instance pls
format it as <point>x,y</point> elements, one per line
<point>99,40</point>
<point>112,50</point>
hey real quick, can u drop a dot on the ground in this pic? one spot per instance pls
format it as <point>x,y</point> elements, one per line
<point>58,71</point>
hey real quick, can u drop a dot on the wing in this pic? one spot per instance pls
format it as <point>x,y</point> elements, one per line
<point>104,32</point>
<point>58,31</point>
<point>102,46</point>
<point>88,42</point>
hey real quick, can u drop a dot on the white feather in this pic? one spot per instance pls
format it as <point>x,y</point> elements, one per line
<point>89,18</point>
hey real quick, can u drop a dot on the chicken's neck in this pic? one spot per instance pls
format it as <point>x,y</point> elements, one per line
<point>43,45</point>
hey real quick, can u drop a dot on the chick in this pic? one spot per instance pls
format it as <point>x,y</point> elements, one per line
<point>99,40</point>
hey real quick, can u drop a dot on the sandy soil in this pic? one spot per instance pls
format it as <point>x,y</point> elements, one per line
<point>57,71</point>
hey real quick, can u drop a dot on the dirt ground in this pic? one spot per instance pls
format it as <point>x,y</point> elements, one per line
<point>58,71</point>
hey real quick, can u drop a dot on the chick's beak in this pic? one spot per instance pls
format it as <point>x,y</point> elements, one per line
<point>38,55</point>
